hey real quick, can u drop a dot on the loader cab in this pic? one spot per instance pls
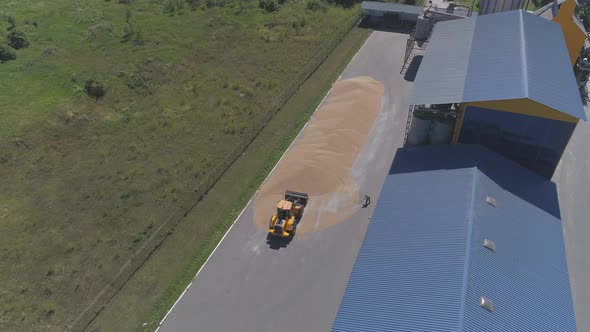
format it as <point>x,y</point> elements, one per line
<point>284,209</point>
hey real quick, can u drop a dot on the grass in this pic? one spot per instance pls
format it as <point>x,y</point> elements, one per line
<point>87,182</point>
<point>531,5</point>
<point>161,280</point>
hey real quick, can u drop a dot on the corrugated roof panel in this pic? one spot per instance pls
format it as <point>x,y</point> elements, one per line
<point>549,84</point>
<point>446,59</point>
<point>422,265</point>
<point>500,56</point>
<point>526,276</point>
<point>495,69</point>
<point>408,275</point>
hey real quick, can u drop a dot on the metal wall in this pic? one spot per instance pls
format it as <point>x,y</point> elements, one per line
<point>535,143</point>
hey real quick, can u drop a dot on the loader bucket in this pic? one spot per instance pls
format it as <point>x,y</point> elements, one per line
<point>296,197</point>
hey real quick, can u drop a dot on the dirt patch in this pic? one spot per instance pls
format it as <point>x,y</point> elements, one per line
<point>320,162</point>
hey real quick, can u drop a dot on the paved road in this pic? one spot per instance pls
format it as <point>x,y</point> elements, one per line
<point>249,286</point>
<point>573,184</point>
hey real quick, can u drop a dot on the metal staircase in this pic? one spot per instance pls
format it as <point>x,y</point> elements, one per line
<point>408,125</point>
<point>413,48</point>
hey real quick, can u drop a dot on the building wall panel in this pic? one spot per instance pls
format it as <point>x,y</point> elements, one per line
<point>526,107</point>
<point>535,143</point>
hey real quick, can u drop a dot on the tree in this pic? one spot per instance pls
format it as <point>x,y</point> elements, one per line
<point>541,3</point>
<point>94,88</point>
<point>6,54</point>
<point>17,39</point>
<point>584,14</point>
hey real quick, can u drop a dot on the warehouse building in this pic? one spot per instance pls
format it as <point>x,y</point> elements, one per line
<point>389,13</point>
<point>509,78</point>
<point>462,239</point>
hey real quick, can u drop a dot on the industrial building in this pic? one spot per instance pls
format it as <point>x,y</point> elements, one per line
<point>389,13</point>
<point>467,232</point>
<point>507,82</point>
<point>462,239</point>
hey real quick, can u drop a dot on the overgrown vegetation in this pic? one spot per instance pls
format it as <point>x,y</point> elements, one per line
<point>17,39</point>
<point>584,13</point>
<point>94,88</point>
<point>6,54</point>
<point>13,38</point>
<point>220,207</point>
<point>86,183</point>
<point>540,3</point>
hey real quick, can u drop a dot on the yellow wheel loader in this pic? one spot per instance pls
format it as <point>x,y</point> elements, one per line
<point>289,213</point>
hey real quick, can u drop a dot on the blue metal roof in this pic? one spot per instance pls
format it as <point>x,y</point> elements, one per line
<point>500,56</point>
<point>423,267</point>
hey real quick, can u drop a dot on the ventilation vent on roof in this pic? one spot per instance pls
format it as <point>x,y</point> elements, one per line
<point>491,201</point>
<point>486,303</point>
<point>489,244</point>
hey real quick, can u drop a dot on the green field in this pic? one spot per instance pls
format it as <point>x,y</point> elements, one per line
<point>89,185</point>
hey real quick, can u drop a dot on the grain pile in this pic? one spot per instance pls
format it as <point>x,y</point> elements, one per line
<point>320,161</point>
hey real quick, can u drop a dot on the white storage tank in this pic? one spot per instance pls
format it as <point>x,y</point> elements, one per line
<point>419,131</point>
<point>442,131</point>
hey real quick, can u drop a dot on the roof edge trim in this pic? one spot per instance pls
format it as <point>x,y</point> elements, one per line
<point>470,217</point>
<point>523,55</point>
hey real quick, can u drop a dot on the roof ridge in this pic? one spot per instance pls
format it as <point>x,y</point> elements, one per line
<point>470,217</point>
<point>523,55</point>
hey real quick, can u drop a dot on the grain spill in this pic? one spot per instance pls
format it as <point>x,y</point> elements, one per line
<point>320,161</point>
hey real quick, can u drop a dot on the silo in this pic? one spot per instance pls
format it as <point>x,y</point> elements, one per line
<point>494,6</point>
<point>419,130</point>
<point>442,131</point>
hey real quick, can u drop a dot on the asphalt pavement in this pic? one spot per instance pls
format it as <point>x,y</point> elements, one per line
<point>249,284</point>
<point>573,184</point>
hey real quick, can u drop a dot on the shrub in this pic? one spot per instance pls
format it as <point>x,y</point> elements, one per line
<point>6,54</point>
<point>194,4</point>
<point>171,6</point>
<point>17,39</point>
<point>98,29</point>
<point>268,5</point>
<point>130,31</point>
<point>94,88</point>
<point>584,14</point>
<point>345,3</point>
<point>298,24</point>
<point>302,21</point>
<point>49,50</point>
<point>314,5</point>
<point>10,20</point>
